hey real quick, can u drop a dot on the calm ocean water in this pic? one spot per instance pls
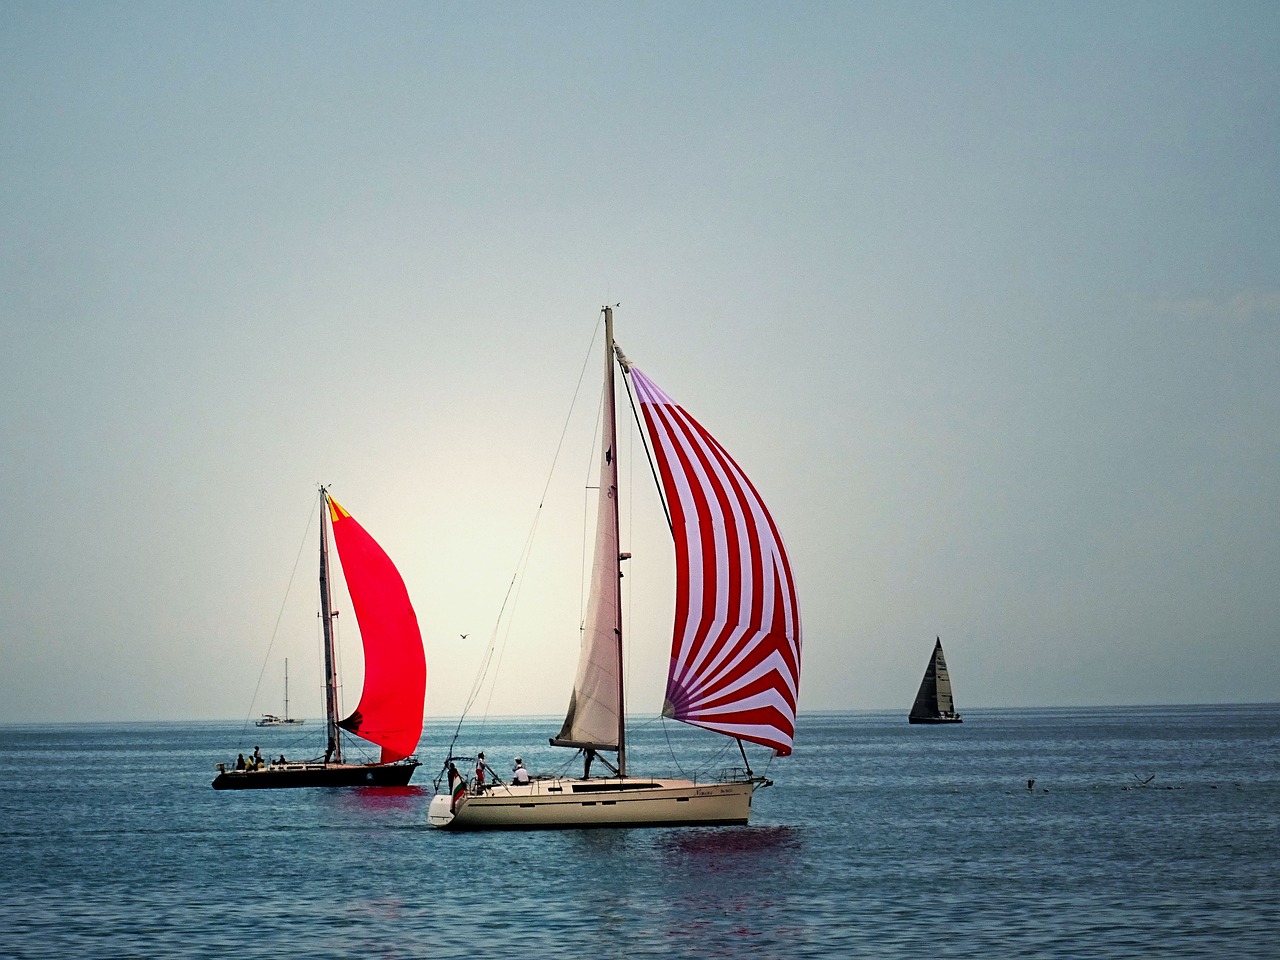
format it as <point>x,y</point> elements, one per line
<point>878,840</point>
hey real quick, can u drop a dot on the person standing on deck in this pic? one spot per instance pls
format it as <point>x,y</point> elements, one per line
<point>481,769</point>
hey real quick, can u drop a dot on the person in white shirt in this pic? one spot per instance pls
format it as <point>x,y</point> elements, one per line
<point>521,774</point>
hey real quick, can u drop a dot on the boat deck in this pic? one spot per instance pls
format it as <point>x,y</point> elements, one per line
<point>316,774</point>
<point>566,803</point>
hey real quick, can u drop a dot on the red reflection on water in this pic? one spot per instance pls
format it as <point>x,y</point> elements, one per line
<point>725,908</point>
<point>732,842</point>
<point>374,799</point>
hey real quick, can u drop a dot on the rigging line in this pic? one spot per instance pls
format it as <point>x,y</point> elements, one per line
<point>707,769</point>
<point>718,758</point>
<point>501,631</point>
<point>311,515</point>
<point>506,636</point>
<point>565,429</point>
<point>512,596</point>
<point>644,438</point>
<point>631,526</point>
<point>523,560</point>
<point>477,686</point>
<point>337,664</point>
<point>666,732</point>
<point>629,592</point>
<point>584,572</point>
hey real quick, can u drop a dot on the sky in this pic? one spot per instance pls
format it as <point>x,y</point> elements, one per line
<point>984,297</point>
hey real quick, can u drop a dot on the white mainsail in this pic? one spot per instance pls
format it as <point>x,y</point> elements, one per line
<point>594,718</point>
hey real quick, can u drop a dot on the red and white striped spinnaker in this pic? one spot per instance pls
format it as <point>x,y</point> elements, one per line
<point>735,650</point>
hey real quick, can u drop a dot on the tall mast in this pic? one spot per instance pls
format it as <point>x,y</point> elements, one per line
<point>286,688</point>
<point>334,749</point>
<point>612,413</point>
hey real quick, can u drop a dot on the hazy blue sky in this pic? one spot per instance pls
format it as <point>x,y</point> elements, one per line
<point>984,296</point>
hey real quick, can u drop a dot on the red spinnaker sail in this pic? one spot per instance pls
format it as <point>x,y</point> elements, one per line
<point>735,650</point>
<point>395,669</point>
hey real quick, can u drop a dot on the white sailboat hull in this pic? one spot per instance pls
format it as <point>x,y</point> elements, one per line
<point>564,803</point>
<point>270,721</point>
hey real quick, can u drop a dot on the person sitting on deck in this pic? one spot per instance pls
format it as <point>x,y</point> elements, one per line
<point>521,774</point>
<point>240,764</point>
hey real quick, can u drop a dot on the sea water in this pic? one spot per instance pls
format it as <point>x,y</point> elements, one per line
<point>1047,833</point>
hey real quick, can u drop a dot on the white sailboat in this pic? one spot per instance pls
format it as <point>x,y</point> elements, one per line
<point>275,720</point>
<point>735,659</point>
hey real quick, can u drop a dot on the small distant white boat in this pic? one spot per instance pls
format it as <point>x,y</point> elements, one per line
<point>270,719</point>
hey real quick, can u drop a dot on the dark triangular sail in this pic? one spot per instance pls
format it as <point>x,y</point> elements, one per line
<point>933,700</point>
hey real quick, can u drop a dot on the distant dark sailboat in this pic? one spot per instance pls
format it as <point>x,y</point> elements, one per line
<point>934,703</point>
<point>395,675</point>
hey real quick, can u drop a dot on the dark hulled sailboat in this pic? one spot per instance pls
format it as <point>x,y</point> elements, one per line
<point>395,678</point>
<point>934,703</point>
